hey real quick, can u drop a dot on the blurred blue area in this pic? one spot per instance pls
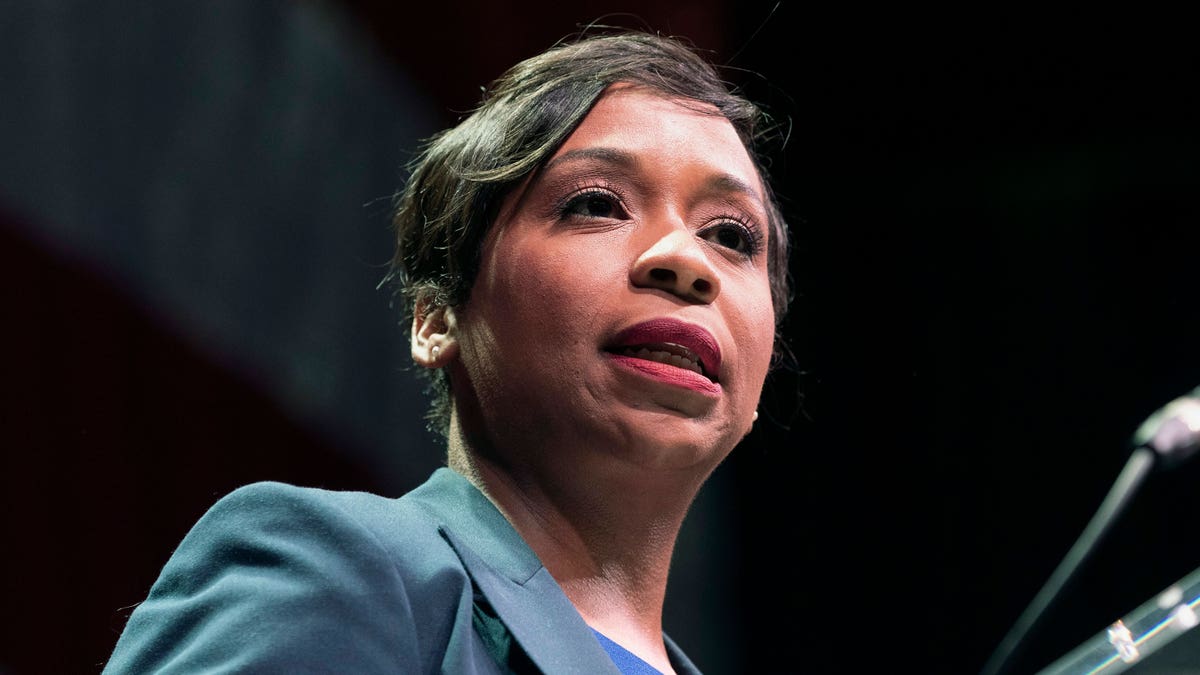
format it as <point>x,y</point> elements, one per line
<point>229,165</point>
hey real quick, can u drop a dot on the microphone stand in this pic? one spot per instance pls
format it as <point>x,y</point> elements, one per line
<point>1137,467</point>
<point>1169,436</point>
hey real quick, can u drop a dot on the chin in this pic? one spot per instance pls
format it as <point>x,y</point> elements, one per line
<point>668,440</point>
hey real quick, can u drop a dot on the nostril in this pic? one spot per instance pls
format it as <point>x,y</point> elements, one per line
<point>702,286</point>
<point>661,274</point>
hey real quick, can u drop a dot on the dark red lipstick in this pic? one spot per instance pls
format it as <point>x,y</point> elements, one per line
<point>675,351</point>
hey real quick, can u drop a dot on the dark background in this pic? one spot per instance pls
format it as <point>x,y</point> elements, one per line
<point>995,221</point>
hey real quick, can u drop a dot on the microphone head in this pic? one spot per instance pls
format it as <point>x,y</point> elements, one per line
<point>1173,432</point>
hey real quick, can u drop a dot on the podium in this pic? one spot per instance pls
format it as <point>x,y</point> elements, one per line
<point>1160,637</point>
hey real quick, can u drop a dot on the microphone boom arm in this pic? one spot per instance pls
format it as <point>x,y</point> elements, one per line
<point>1168,437</point>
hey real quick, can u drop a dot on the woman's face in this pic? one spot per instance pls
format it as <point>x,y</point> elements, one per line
<point>622,306</point>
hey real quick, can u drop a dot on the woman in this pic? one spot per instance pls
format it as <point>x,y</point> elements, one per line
<point>595,269</point>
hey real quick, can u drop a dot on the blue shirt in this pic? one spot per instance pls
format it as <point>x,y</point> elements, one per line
<point>627,662</point>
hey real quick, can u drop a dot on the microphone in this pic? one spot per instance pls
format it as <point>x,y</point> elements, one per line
<point>1167,437</point>
<point>1173,432</point>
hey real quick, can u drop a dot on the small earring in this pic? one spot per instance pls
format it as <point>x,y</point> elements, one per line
<point>434,352</point>
<point>755,419</point>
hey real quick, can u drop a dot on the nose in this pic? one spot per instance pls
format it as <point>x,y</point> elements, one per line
<point>676,262</point>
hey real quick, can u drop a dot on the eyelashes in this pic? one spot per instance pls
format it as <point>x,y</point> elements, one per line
<point>603,203</point>
<point>592,202</point>
<point>732,233</point>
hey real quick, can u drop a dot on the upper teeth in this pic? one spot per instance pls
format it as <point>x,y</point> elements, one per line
<point>663,357</point>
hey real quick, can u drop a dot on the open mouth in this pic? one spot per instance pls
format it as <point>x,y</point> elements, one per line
<point>668,353</point>
<point>671,342</point>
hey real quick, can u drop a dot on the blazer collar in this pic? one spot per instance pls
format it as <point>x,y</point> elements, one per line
<point>524,596</point>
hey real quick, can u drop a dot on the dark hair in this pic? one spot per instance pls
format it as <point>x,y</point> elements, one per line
<point>459,179</point>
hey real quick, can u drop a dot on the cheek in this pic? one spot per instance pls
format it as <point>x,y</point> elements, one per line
<point>539,294</point>
<point>754,331</point>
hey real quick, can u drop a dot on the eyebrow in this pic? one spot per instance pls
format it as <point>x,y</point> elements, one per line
<point>717,184</point>
<point>724,183</point>
<point>607,155</point>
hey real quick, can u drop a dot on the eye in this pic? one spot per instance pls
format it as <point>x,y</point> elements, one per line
<point>594,204</point>
<point>733,235</point>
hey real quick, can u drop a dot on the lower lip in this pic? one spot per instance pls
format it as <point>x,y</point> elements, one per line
<point>674,375</point>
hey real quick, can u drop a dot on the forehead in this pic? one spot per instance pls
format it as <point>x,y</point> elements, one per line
<point>675,132</point>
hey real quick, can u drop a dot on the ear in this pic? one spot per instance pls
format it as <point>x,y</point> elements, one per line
<point>434,335</point>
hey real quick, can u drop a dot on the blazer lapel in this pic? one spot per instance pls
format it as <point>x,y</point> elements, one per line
<point>524,597</point>
<point>538,614</point>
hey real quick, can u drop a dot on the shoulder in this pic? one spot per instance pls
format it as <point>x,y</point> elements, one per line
<point>275,575</point>
<point>269,513</point>
<point>265,498</point>
<point>282,528</point>
<point>272,505</point>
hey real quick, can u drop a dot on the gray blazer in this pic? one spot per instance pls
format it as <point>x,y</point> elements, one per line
<point>278,578</point>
